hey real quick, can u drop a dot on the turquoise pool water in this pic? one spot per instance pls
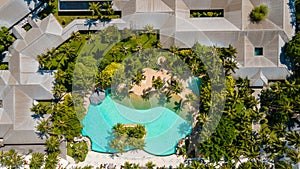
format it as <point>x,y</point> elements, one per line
<point>164,127</point>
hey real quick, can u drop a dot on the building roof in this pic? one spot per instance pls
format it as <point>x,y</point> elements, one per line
<point>255,74</point>
<point>11,11</point>
<point>22,84</point>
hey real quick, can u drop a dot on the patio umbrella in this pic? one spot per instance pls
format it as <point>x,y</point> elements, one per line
<point>97,97</point>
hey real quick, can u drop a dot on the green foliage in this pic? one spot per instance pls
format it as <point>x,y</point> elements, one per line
<point>27,27</point>
<point>64,119</point>
<point>85,72</point>
<point>157,83</point>
<point>254,165</point>
<point>52,144</point>
<point>233,136</point>
<point>280,101</point>
<point>6,39</point>
<point>149,30</point>
<point>11,159</point>
<point>43,127</point>
<point>126,34</point>
<point>51,161</point>
<point>3,66</point>
<point>127,137</point>
<point>259,13</point>
<point>292,51</point>
<point>36,161</point>
<point>283,165</point>
<point>150,165</point>
<point>104,78</point>
<point>63,59</point>
<point>297,4</point>
<point>198,14</point>
<point>228,57</point>
<point>138,131</point>
<point>102,10</point>
<point>77,151</point>
<point>42,108</point>
<point>175,86</point>
<point>110,35</point>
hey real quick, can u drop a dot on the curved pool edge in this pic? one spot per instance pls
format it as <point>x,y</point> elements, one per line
<point>95,146</point>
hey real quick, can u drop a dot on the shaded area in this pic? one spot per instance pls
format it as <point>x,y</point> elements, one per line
<point>97,97</point>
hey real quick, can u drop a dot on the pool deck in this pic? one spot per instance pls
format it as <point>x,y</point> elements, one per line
<point>135,156</point>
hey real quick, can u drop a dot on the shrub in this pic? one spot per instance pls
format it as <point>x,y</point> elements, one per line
<point>78,151</point>
<point>259,13</point>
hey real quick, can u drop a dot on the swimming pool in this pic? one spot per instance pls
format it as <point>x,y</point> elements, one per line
<point>164,127</point>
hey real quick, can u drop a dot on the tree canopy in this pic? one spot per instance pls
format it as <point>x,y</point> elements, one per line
<point>259,13</point>
<point>6,39</point>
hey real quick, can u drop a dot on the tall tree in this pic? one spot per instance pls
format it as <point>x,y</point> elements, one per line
<point>52,144</point>
<point>51,161</point>
<point>36,161</point>
<point>292,51</point>
<point>12,159</point>
<point>6,39</point>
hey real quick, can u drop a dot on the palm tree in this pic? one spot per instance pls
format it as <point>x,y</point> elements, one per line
<point>59,91</point>
<point>157,83</point>
<point>44,127</point>
<point>60,77</point>
<point>293,139</point>
<point>127,165</point>
<point>12,159</point>
<point>124,49</point>
<point>36,161</point>
<point>40,110</point>
<point>197,165</point>
<point>52,144</point>
<point>283,165</point>
<point>149,30</point>
<point>68,51</point>
<point>108,7</point>
<point>136,143</point>
<point>75,36</point>
<point>279,129</point>
<point>80,150</point>
<point>138,78</point>
<point>175,86</point>
<point>136,166</point>
<point>203,118</point>
<point>95,8</point>
<point>181,166</point>
<point>139,48</point>
<point>178,105</point>
<point>119,129</point>
<point>174,50</point>
<point>118,143</point>
<point>168,95</point>
<point>191,98</point>
<point>150,165</point>
<point>1,158</point>
<point>294,155</point>
<point>51,161</point>
<point>145,94</point>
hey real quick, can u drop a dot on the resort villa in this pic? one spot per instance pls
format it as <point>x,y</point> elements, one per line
<point>259,46</point>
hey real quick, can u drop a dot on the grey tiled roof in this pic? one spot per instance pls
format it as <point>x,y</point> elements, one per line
<point>254,74</point>
<point>12,11</point>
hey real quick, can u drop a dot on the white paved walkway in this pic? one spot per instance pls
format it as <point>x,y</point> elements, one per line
<point>136,156</point>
